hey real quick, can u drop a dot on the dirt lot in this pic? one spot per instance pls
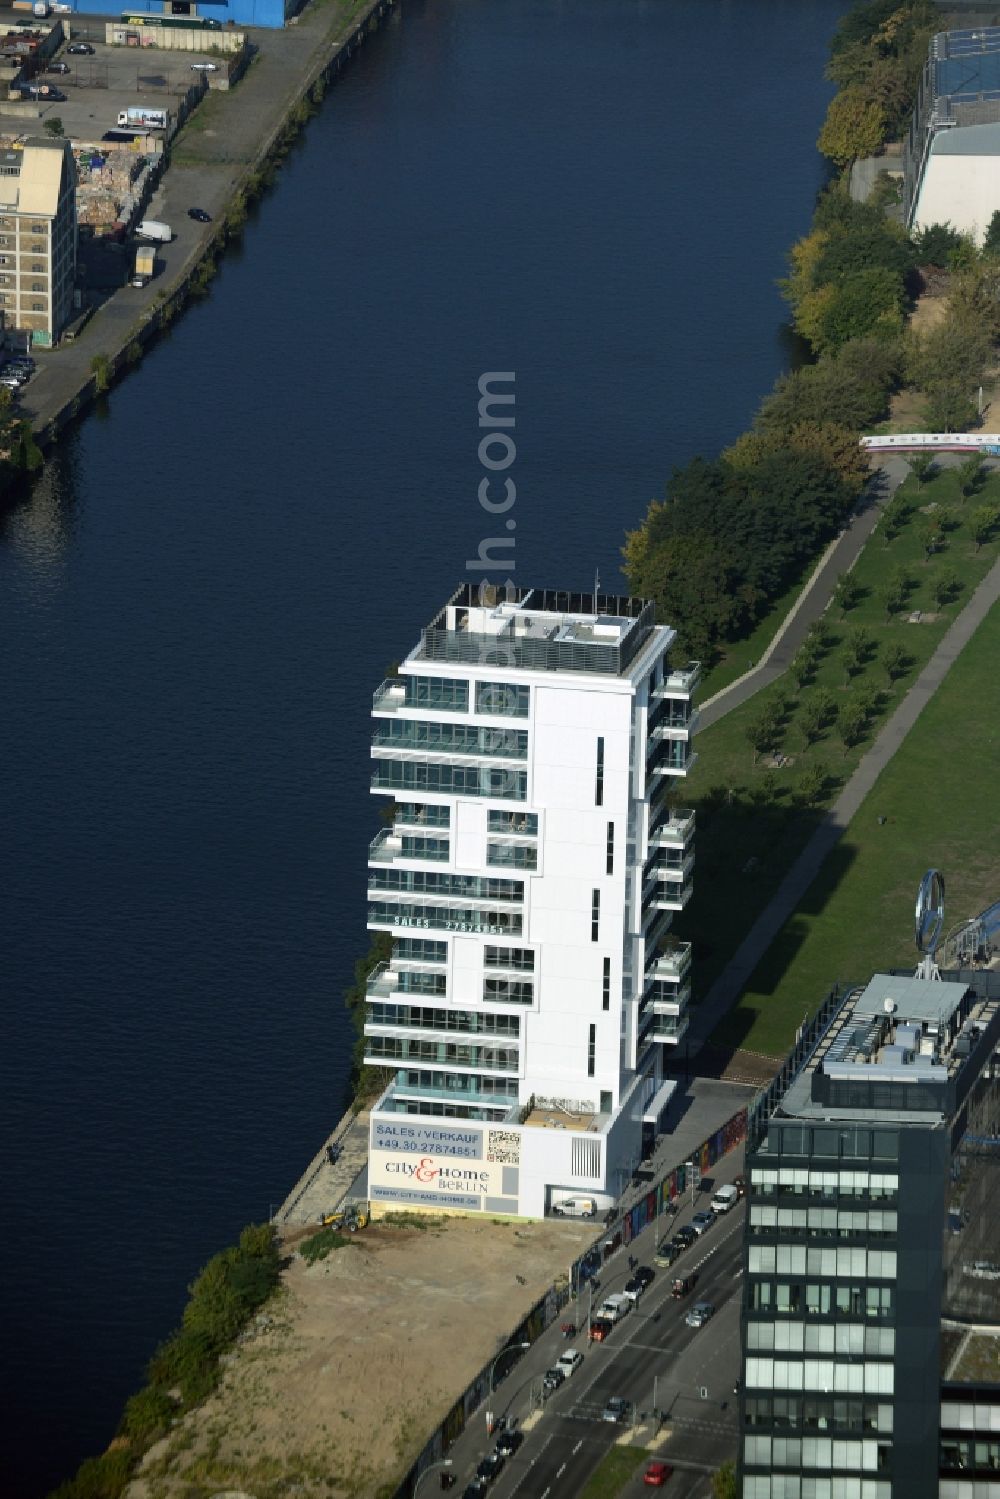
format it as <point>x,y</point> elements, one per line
<point>358,1358</point>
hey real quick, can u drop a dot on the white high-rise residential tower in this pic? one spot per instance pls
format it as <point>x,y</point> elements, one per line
<point>532,743</point>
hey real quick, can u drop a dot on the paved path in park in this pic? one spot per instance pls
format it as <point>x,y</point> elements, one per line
<point>733,979</point>
<point>839,557</point>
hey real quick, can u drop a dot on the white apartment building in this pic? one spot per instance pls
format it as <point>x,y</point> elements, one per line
<point>532,742</point>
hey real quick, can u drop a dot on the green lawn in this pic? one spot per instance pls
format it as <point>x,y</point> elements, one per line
<point>938,795</point>
<point>613,1472</point>
<point>751,825</point>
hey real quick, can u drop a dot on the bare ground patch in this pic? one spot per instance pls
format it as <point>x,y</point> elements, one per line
<point>339,1384</point>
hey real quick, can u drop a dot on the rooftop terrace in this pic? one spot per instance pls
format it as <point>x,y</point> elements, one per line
<point>539,629</point>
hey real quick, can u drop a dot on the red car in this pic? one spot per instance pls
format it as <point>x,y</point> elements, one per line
<point>657,1474</point>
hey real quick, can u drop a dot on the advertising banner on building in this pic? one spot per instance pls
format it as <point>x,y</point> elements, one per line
<point>427,1164</point>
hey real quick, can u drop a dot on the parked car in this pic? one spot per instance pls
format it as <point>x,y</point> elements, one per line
<point>681,1244</point>
<point>700,1314</point>
<point>491,1467</point>
<point>475,1490</point>
<point>656,1475</point>
<point>702,1222</point>
<point>508,1442</point>
<point>666,1254</point>
<point>58,67</point>
<point>204,67</point>
<point>616,1410</point>
<point>570,1362</point>
<point>611,1243</point>
<point>683,1286</point>
<point>645,1275</point>
<point>686,1235</point>
<point>725,1198</point>
<point>200,215</point>
<point>80,49</point>
<point>575,1207</point>
<point>600,1330</point>
<point>633,1288</point>
<point>553,1378</point>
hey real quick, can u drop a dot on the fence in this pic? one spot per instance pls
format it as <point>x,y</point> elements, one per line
<point>545,1311</point>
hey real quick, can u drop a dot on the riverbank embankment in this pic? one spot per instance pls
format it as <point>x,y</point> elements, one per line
<point>219,162</point>
<point>326,1182</point>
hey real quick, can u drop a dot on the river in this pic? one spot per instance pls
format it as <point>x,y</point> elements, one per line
<point>200,594</point>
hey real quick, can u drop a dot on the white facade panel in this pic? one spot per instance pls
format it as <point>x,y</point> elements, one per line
<point>963,191</point>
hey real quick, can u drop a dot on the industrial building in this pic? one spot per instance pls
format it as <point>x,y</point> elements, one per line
<point>871,1222</point>
<point>952,154</point>
<point>37,237</point>
<point>532,744</point>
<point>205,13</point>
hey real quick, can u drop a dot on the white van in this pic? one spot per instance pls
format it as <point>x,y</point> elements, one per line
<point>615,1307</point>
<point>725,1198</point>
<point>576,1207</point>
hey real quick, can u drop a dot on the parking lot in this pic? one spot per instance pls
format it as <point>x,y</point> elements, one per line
<point>114,78</point>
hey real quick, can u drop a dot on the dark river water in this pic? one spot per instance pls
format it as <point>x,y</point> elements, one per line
<point>201,592</point>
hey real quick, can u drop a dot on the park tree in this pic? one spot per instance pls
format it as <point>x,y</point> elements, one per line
<point>54,126</point>
<point>896,591</point>
<point>857,652</point>
<point>852,720</point>
<point>947,587</point>
<point>894,661</point>
<point>982,524</point>
<point>803,667</point>
<point>935,244</point>
<point>813,719</point>
<point>854,127</point>
<point>894,517</point>
<point>932,537</point>
<point>971,473</point>
<point>847,594</point>
<point>810,787</point>
<point>922,466</point>
<point>763,732</point>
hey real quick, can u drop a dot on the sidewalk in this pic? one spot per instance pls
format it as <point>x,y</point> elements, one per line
<point>733,979</point>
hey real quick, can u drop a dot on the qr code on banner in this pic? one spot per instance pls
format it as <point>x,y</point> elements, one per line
<point>503,1146</point>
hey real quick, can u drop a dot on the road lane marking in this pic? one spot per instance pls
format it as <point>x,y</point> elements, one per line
<point>560,1471</point>
<point>577,1448</point>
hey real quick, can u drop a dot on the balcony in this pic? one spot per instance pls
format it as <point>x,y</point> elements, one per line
<point>390,917</point>
<point>681,681</point>
<point>672,758</point>
<point>381,983</point>
<point>471,1091</point>
<point>408,981</point>
<point>386,847</point>
<point>660,896</point>
<point>670,728</point>
<point>668,1030</point>
<point>671,964</point>
<point>675,831</point>
<point>390,697</point>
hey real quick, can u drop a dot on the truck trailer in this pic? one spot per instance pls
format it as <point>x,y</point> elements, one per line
<point>154,229</point>
<point>142,117</point>
<point>145,265</point>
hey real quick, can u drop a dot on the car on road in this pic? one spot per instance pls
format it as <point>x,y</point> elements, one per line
<point>199,215</point>
<point>570,1362</point>
<point>702,1222</point>
<point>552,1379</point>
<point>683,1286</point>
<point>475,1490</point>
<point>58,67</point>
<point>656,1475</point>
<point>700,1314</point>
<point>616,1410</point>
<point>600,1330</point>
<point>204,67</point>
<point>666,1255</point>
<point>508,1442</point>
<point>80,49</point>
<point>634,1288</point>
<point>645,1275</point>
<point>491,1467</point>
<point>686,1235</point>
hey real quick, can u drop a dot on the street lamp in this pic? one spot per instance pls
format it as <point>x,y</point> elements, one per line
<point>432,1467</point>
<point>512,1348</point>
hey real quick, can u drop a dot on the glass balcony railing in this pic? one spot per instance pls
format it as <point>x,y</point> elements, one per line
<point>674,830</point>
<point>680,681</point>
<point>672,962</point>
<point>390,916</point>
<point>395,1051</point>
<point>458,1089</point>
<point>668,1029</point>
<point>673,757</point>
<point>390,696</point>
<point>388,846</point>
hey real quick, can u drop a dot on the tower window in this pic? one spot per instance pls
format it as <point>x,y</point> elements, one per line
<point>592,1051</point>
<point>611,848</point>
<point>595,916</point>
<point>606,992</point>
<point>599,781</point>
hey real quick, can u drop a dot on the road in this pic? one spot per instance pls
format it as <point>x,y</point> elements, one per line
<point>566,1437</point>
